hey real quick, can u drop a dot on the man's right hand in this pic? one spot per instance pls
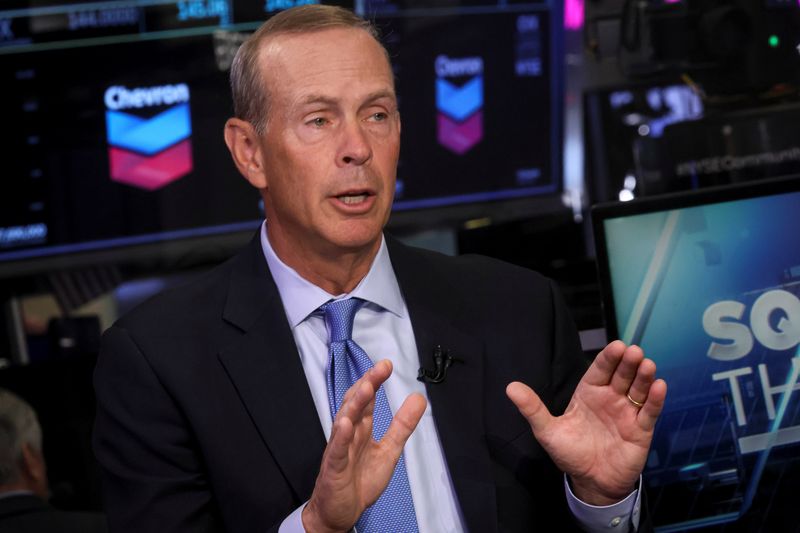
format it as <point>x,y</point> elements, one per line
<point>355,468</point>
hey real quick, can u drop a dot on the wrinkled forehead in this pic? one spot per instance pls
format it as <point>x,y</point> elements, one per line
<point>295,57</point>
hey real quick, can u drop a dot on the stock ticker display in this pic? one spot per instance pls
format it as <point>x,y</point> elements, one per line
<point>712,294</point>
<point>118,110</point>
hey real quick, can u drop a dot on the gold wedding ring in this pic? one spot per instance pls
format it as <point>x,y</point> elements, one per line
<point>634,402</point>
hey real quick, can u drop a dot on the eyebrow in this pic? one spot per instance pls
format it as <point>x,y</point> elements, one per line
<point>327,100</point>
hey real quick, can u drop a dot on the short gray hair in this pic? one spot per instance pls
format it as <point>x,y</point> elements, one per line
<point>18,426</point>
<point>250,95</point>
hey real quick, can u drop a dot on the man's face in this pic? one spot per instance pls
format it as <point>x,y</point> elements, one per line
<point>332,140</point>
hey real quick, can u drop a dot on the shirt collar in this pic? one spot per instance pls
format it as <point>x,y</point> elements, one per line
<point>301,298</point>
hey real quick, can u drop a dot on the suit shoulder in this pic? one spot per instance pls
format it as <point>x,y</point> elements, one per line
<point>473,272</point>
<point>188,302</point>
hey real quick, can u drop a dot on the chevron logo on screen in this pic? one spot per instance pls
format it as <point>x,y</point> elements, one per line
<point>149,152</point>
<point>459,121</point>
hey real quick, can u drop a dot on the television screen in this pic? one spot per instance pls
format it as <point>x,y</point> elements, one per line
<point>480,115</point>
<point>708,284</point>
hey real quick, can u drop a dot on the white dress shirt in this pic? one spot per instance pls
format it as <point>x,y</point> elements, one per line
<point>382,327</point>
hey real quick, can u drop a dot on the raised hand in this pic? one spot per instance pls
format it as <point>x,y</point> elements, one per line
<point>602,439</point>
<point>355,468</point>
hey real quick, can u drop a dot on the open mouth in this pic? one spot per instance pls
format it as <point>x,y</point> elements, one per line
<point>353,198</point>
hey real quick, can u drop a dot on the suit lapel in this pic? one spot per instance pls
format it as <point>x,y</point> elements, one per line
<point>265,368</point>
<point>457,403</point>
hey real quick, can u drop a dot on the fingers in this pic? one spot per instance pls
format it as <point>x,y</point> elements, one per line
<point>404,423</point>
<point>374,377</point>
<point>642,388</point>
<point>530,405</point>
<point>648,414</point>
<point>645,375</point>
<point>361,395</point>
<point>616,365</point>
<point>355,469</point>
<point>357,402</point>
<point>355,415</point>
<point>379,373</point>
<point>337,453</point>
<point>627,369</point>
<point>628,372</point>
<point>602,368</point>
<point>400,429</point>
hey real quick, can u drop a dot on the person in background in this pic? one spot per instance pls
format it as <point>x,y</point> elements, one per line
<point>23,477</point>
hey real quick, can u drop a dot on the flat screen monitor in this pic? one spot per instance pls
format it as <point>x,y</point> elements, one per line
<point>115,110</point>
<point>477,87</point>
<point>708,284</point>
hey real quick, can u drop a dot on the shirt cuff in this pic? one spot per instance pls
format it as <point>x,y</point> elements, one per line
<point>294,522</point>
<point>621,517</point>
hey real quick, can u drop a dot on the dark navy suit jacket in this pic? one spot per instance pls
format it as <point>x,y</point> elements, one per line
<point>205,421</point>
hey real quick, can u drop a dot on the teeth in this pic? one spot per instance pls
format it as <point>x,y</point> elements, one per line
<point>353,199</point>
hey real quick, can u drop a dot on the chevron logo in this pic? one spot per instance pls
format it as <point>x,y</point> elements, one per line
<point>149,153</point>
<point>459,137</point>
<point>459,122</point>
<point>459,102</point>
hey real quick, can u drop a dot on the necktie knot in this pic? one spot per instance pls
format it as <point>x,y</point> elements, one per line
<point>339,316</point>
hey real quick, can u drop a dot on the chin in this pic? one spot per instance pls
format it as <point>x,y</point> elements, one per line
<point>355,239</point>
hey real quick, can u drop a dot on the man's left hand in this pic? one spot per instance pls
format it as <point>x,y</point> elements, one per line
<point>602,439</point>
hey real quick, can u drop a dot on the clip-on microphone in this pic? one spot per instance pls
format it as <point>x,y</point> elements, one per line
<point>442,360</point>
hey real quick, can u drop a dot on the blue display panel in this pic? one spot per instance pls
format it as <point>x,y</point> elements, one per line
<point>710,289</point>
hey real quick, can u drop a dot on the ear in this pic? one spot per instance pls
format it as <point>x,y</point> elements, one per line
<point>34,470</point>
<point>244,144</point>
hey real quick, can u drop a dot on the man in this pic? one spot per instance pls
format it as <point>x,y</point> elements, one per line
<point>221,404</point>
<point>23,477</point>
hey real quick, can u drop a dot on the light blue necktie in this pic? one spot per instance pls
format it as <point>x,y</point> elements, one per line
<point>347,362</point>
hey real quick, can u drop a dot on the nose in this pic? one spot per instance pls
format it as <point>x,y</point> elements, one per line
<point>355,148</point>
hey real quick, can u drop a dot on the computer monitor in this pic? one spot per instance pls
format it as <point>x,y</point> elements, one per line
<point>480,101</point>
<point>708,284</point>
